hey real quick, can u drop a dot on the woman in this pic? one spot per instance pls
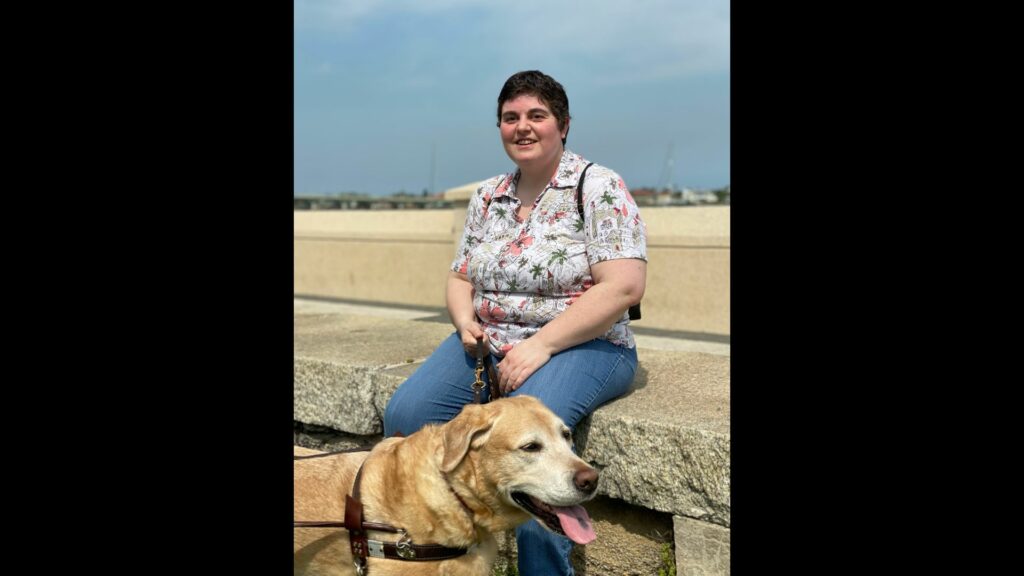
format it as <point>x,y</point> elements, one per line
<point>545,289</point>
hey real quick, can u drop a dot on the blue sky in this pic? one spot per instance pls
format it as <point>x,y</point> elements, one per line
<point>381,84</point>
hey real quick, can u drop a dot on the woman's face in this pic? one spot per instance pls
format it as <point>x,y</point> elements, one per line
<point>530,132</point>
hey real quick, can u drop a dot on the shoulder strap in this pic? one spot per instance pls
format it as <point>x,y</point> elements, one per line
<point>579,192</point>
<point>634,310</point>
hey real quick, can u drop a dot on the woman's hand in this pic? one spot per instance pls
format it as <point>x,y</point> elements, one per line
<point>520,363</point>
<point>618,284</point>
<point>469,333</point>
<point>459,297</point>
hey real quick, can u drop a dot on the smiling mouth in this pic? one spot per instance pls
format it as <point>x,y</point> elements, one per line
<point>525,142</point>
<point>572,522</point>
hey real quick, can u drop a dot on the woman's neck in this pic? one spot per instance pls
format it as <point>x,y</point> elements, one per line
<point>533,179</point>
<point>527,191</point>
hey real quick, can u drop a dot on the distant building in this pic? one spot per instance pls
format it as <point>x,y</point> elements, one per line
<point>353,201</point>
<point>651,197</point>
<point>691,196</point>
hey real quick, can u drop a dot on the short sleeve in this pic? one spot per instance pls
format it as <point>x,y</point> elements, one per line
<point>472,231</point>
<point>614,228</point>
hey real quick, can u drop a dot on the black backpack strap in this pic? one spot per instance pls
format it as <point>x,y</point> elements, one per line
<point>579,192</point>
<point>634,310</point>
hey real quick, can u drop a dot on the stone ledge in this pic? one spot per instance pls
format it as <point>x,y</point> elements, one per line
<point>664,445</point>
<point>340,360</point>
<point>701,549</point>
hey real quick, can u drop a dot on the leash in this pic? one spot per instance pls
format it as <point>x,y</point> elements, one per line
<point>478,385</point>
<point>483,361</point>
<point>362,546</point>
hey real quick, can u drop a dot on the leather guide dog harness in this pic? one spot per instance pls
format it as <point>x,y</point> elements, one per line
<point>362,546</point>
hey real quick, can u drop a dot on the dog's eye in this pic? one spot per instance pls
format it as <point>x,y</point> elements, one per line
<point>567,435</point>
<point>532,447</point>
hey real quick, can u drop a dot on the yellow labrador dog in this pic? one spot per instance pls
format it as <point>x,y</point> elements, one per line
<point>491,468</point>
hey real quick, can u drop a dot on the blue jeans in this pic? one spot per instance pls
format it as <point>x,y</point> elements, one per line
<point>572,384</point>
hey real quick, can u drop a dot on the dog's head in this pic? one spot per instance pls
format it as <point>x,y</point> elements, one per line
<point>515,456</point>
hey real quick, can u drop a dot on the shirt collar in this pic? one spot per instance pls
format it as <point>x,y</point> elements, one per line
<point>566,176</point>
<point>569,169</point>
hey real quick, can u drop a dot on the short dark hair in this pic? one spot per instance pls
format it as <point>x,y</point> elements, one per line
<point>544,87</point>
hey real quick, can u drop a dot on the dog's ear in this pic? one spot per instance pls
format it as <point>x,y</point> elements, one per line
<point>473,423</point>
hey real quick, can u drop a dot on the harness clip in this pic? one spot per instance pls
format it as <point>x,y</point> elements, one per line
<point>404,546</point>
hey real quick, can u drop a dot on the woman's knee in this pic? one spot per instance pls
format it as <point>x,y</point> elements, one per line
<point>398,414</point>
<point>579,380</point>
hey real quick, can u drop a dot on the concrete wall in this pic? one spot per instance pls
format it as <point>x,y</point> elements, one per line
<point>402,257</point>
<point>393,256</point>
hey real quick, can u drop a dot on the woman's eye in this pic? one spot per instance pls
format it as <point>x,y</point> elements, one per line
<point>532,447</point>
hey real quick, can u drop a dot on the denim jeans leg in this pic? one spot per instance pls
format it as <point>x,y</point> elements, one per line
<point>572,384</point>
<point>435,393</point>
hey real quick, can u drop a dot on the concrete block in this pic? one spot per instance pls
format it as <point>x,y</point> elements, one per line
<point>665,444</point>
<point>702,549</point>
<point>336,396</point>
<point>341,364</point>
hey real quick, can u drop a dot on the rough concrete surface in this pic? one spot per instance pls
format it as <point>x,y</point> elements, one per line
<point>665,445</point>
<point>702,549</point>
<point>339,360</point>
<point>629,540</point>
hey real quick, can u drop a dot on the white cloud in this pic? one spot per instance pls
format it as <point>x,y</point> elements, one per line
<point>342,14</point>
<point>631,39</point>
<point>642,39</point>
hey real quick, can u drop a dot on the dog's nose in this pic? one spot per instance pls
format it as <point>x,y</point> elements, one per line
<point>586,479</point>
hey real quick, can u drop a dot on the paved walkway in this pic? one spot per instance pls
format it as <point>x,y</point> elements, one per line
<point>646,341</point>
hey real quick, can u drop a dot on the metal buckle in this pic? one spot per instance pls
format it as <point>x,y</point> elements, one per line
<point>404,546</point>
<point>360,567</point>
<point>375,548</point>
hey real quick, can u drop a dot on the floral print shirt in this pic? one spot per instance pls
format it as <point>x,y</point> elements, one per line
<point>525,273</point>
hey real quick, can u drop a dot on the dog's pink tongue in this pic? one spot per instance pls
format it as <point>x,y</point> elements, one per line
<point>576,523</point>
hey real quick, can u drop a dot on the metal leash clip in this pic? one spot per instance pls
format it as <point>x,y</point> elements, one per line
<point>404,546</point>
<point>479,384</point>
